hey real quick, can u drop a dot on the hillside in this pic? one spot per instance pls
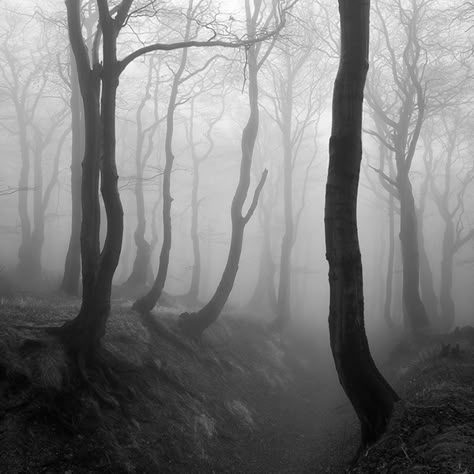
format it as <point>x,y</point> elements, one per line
<point>240,401</point>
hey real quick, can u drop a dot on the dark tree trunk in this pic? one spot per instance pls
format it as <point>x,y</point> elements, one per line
<point>371,396</point>
<point>72,266</point>
<point>98,87</point>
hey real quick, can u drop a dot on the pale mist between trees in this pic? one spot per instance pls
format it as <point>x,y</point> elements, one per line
<point>216,118</point>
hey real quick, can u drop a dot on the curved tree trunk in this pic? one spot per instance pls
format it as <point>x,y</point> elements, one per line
<point>371,396</point>
<point>98,87</point>
<point>194,324</point>
<point>147,302</point>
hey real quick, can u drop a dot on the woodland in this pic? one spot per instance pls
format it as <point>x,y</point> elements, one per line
<point>236,236</point>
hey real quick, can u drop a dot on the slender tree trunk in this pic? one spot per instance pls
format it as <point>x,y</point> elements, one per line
<point>428,295</point>
<point>72,266</point>
<point>387,309</point>
<point>448,310</point>
<point>139,276</point>
<point>371,396</point>
<point>284,287</point>
<point>24,252</point>
<point>264,297</point>
<point>37,235</point>
<point>193,292</point>
<point>194,324</point>
<point>416,319</point>
<point>147,302</point>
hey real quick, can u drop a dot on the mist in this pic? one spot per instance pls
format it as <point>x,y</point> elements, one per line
<point>179,155</point>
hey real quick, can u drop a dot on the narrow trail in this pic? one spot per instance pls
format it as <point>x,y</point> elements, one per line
<point>308,428</point>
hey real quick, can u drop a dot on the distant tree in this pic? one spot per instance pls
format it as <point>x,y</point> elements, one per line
<point>144,147</point>
<point>370,394</point>
<point>26,74</point>
<point>72,265</point>
<point>296,105</point>
<point>197,160</point>
<point>450,179</point>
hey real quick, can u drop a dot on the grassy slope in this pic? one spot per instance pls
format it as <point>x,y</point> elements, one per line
<point>432,430</point>
<point>240,401</point>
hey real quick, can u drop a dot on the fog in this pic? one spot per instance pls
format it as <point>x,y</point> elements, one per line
<point>418,110</point>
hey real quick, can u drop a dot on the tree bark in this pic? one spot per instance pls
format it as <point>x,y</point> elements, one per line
<point>98,85</point>
<point>370,394</point>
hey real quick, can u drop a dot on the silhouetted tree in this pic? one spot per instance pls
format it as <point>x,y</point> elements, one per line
<point>370,394</point>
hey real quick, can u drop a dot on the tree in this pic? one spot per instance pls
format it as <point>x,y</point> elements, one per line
<point>370,394</point>
<point>450,179</point>
<point>98,75</point>
<point>26,82</point>
<point>197,159</point>
<point>143,149</point>
<point>296,105</point>
<point>72,265</point>
<point>195,323</point>
<point>404,121</point>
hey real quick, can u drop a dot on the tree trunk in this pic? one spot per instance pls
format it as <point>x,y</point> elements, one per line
<point>387,309</point>
<point>448,309</point>
<point>371,396</point>
<point>194,324</point>
<point>24,252</point>
<point>139,276</point>
<point>72,266</point>
<point>416,319</point>
<point>264,298</point>
<point>428,295</point>
<point>147,302</point>
<point>193,293</point>
<point>98,87</point>
<point>284,286</point>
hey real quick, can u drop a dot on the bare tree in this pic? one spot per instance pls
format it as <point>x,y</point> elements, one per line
<point>451,177</point>
<point>98,74</point>
<point>195,323</point>
<point>370,394</point>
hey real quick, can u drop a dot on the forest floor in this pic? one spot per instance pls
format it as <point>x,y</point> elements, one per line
<point>240,401</point>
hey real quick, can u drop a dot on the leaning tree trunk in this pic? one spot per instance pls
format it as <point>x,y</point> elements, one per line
<point>72,266</point>
<point>194,324</point>
<point>370,394</point>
